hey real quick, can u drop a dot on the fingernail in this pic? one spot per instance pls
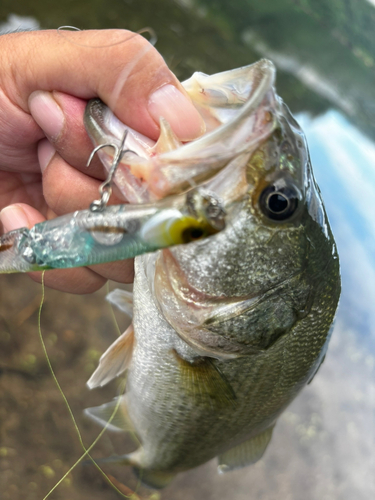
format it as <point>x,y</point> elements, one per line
<point>168,102</point>
<point>13,217</point>
<point>45,153</point>
<point>47,113</point>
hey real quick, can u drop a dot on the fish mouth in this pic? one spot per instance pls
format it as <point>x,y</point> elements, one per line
<point>239,108</point>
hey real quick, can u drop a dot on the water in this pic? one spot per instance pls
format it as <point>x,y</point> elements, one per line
<point>323,445</point>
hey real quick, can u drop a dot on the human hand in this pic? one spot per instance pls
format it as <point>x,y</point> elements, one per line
<point>45,83</point>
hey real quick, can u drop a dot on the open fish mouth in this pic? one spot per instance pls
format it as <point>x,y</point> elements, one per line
<point>238,108</point>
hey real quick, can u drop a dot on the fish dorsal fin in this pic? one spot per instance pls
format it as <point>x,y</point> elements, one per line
<point>116,408</point>
<point>123,300</point>
<point>115,360</point>
<point>246,453</point>
<point>205,383</point>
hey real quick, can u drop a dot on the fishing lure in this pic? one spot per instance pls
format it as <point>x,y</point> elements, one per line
<point>108,233</point>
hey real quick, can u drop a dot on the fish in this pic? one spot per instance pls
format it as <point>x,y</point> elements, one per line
<point>226,330</point>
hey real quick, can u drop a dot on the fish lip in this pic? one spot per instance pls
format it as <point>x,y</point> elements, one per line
<point>97,109</point>
<point>254,122</point>
<point>195,162</point>
<point>249,108</point>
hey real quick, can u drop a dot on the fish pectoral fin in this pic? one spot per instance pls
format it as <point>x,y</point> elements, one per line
<point>246,453</point>
<point>113,415</point>
<point>153,478</point>
<point>205,383</point>
<point>115,360</point>
<point>123,300</point>
<point>129,459</point>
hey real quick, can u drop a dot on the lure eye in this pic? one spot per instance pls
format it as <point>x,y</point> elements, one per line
<point>192,234</point>
<point>278,203</point>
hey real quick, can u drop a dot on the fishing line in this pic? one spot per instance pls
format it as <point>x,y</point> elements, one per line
<point>65,30</point>
<point>86,450</point>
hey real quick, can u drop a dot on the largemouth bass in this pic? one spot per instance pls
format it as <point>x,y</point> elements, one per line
<point>226,330</point>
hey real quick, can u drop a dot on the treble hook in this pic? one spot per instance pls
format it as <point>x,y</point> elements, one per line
<point>105,189</point>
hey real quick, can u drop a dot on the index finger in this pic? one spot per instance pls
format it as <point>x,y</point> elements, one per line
<point>131,77</point>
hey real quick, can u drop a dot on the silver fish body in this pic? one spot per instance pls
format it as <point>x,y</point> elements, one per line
<point>228,330</point>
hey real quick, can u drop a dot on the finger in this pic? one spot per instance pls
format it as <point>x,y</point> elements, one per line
<point>66,189</point>
<point>79,280</point>
<point>121,271</point>
<point>19,215</point>
<point>133,74</point>
<point>22,188</point>
<point>65,112</point>
<point>18,130</point>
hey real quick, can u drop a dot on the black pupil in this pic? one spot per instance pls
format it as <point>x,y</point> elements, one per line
<point>277,203</point>
<point>196,233</point>
<point>191,234</point>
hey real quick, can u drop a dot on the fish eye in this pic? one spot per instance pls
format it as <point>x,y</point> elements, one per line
<point>278,203</point>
